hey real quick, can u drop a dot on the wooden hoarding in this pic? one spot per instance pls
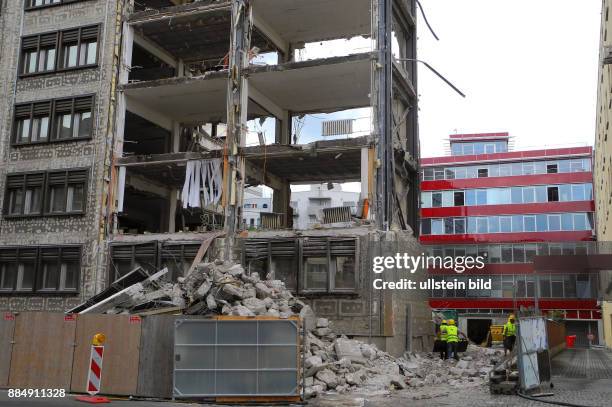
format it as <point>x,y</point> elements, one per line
<point>42,351</point>
<point>121,352</point>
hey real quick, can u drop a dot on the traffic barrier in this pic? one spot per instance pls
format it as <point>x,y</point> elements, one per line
<point>94,376</point>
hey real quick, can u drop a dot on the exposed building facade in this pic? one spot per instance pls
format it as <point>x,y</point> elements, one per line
<point>602,169</point>
<point>254,204</point>
<point>123,143</point>
<point>307,205</point>
<point>511,207</point>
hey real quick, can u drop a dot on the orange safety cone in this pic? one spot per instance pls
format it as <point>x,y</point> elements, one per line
<point>94,376</point>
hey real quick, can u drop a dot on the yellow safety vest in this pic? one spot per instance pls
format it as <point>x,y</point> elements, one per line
<point>452,334</point>
<point>443,332</point>
<point>509,329</point>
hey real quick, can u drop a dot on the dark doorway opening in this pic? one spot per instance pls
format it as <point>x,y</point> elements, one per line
<point>478,329</point>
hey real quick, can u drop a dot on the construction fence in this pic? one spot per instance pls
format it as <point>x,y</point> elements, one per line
<point>52,350</point>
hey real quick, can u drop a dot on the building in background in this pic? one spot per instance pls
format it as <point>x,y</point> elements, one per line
<point>254,204</point>
<point>510,206</point>
<point>602,169</point>
<point>307,205</point>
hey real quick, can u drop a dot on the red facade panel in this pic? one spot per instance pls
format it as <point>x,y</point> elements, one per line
<point>522,237</point>
<point>510,209</point>
<point>517,180</point>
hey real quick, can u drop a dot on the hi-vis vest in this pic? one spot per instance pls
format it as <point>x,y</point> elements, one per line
<point>452,334</point>
<point>443,332</point>
<point>509,329</point>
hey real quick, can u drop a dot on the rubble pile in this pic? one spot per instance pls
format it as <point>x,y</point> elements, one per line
<point>331,362</point>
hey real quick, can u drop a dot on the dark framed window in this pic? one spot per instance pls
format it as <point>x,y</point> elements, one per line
<point>53,120</point>
<point>46,193</point>
<point>127,257</point>
<point>36,4</point>
<point>40,269</point>
<point>79,47</point>
<point>60,50</point>
<point>24,193</point>
<point>65,191</point>
<point>306,265</point>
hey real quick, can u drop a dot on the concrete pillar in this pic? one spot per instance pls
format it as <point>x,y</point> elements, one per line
<point>365,169</point>
<point>283,128</point>
<point>281,200</point>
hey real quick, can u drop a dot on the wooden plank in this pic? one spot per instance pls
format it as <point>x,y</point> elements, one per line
<point>203,249</point>
<point>156,357</point>
<point>7,328</point>
<point>121,353</point>
<point>42,351</point>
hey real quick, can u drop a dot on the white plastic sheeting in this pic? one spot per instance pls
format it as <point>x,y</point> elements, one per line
<point>203,183</point>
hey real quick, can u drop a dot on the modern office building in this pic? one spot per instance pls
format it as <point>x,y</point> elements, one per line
<point>509,207</point>
<point>602,168</point>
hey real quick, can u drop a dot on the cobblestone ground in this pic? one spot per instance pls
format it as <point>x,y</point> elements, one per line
<point>580,376</point>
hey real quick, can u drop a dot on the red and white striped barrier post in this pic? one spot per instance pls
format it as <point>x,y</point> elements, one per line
<point>94,375</point>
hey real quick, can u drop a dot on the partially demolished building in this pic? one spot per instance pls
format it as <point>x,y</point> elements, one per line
<point>124,143</point>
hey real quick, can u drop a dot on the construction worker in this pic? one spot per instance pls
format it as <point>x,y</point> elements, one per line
<point>452,340</point>
<point>509,335</point>
<point>443,335</point>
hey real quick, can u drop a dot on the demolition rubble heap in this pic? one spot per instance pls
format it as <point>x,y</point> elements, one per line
<point>332,362</point>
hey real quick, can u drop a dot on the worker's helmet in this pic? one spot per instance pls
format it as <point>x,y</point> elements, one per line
<point>444,322</point>
<point>451,322</point>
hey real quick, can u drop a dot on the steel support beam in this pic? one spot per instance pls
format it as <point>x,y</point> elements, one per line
<point>383,113</point>
<point>234,176</point>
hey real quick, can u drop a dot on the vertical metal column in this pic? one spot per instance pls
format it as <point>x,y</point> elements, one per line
<point>237,104</point>
<point>383,80</point>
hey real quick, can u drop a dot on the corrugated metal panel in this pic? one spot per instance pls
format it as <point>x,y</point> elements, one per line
<point>121,353</point>
<point>337,214</point>
<point>236,357</point>
<point>337,127</point>
<point>271,220</point>
<point>43,351</point>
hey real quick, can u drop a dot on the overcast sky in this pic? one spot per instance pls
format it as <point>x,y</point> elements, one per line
<point>528,67</point>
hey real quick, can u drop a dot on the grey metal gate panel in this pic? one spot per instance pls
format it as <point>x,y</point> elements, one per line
<point>236,357</point>
<point>7,328</point>
<point>155,363</point>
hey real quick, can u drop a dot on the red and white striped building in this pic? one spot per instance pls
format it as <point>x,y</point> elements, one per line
<point>510,206</point>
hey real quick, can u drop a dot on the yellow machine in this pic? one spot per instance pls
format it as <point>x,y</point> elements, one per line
<point>495,335</point>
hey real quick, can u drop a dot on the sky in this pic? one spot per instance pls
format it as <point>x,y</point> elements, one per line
<point>528,67</point>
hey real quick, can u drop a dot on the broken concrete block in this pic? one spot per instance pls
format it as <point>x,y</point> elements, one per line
<point>272,313</point>
<point>231,293</point>
<point>263,291</point>
<point>307,316</point>
<point>210,302</point>
<point>348,348</point>
<point>322,323</point>
<point>236,270</point>
<point>322,331</point>
<point>202,290</point>
<point>397,382</point>
<point>313,361</point>
<point>463,364</point>
<point>328,377</point>
<point>257,306</point>
<point>242,311</point>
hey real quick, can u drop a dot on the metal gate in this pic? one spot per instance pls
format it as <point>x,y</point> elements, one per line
<point>236,357</point>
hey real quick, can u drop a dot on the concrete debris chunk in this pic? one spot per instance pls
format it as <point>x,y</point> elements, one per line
<point>350,349</point>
